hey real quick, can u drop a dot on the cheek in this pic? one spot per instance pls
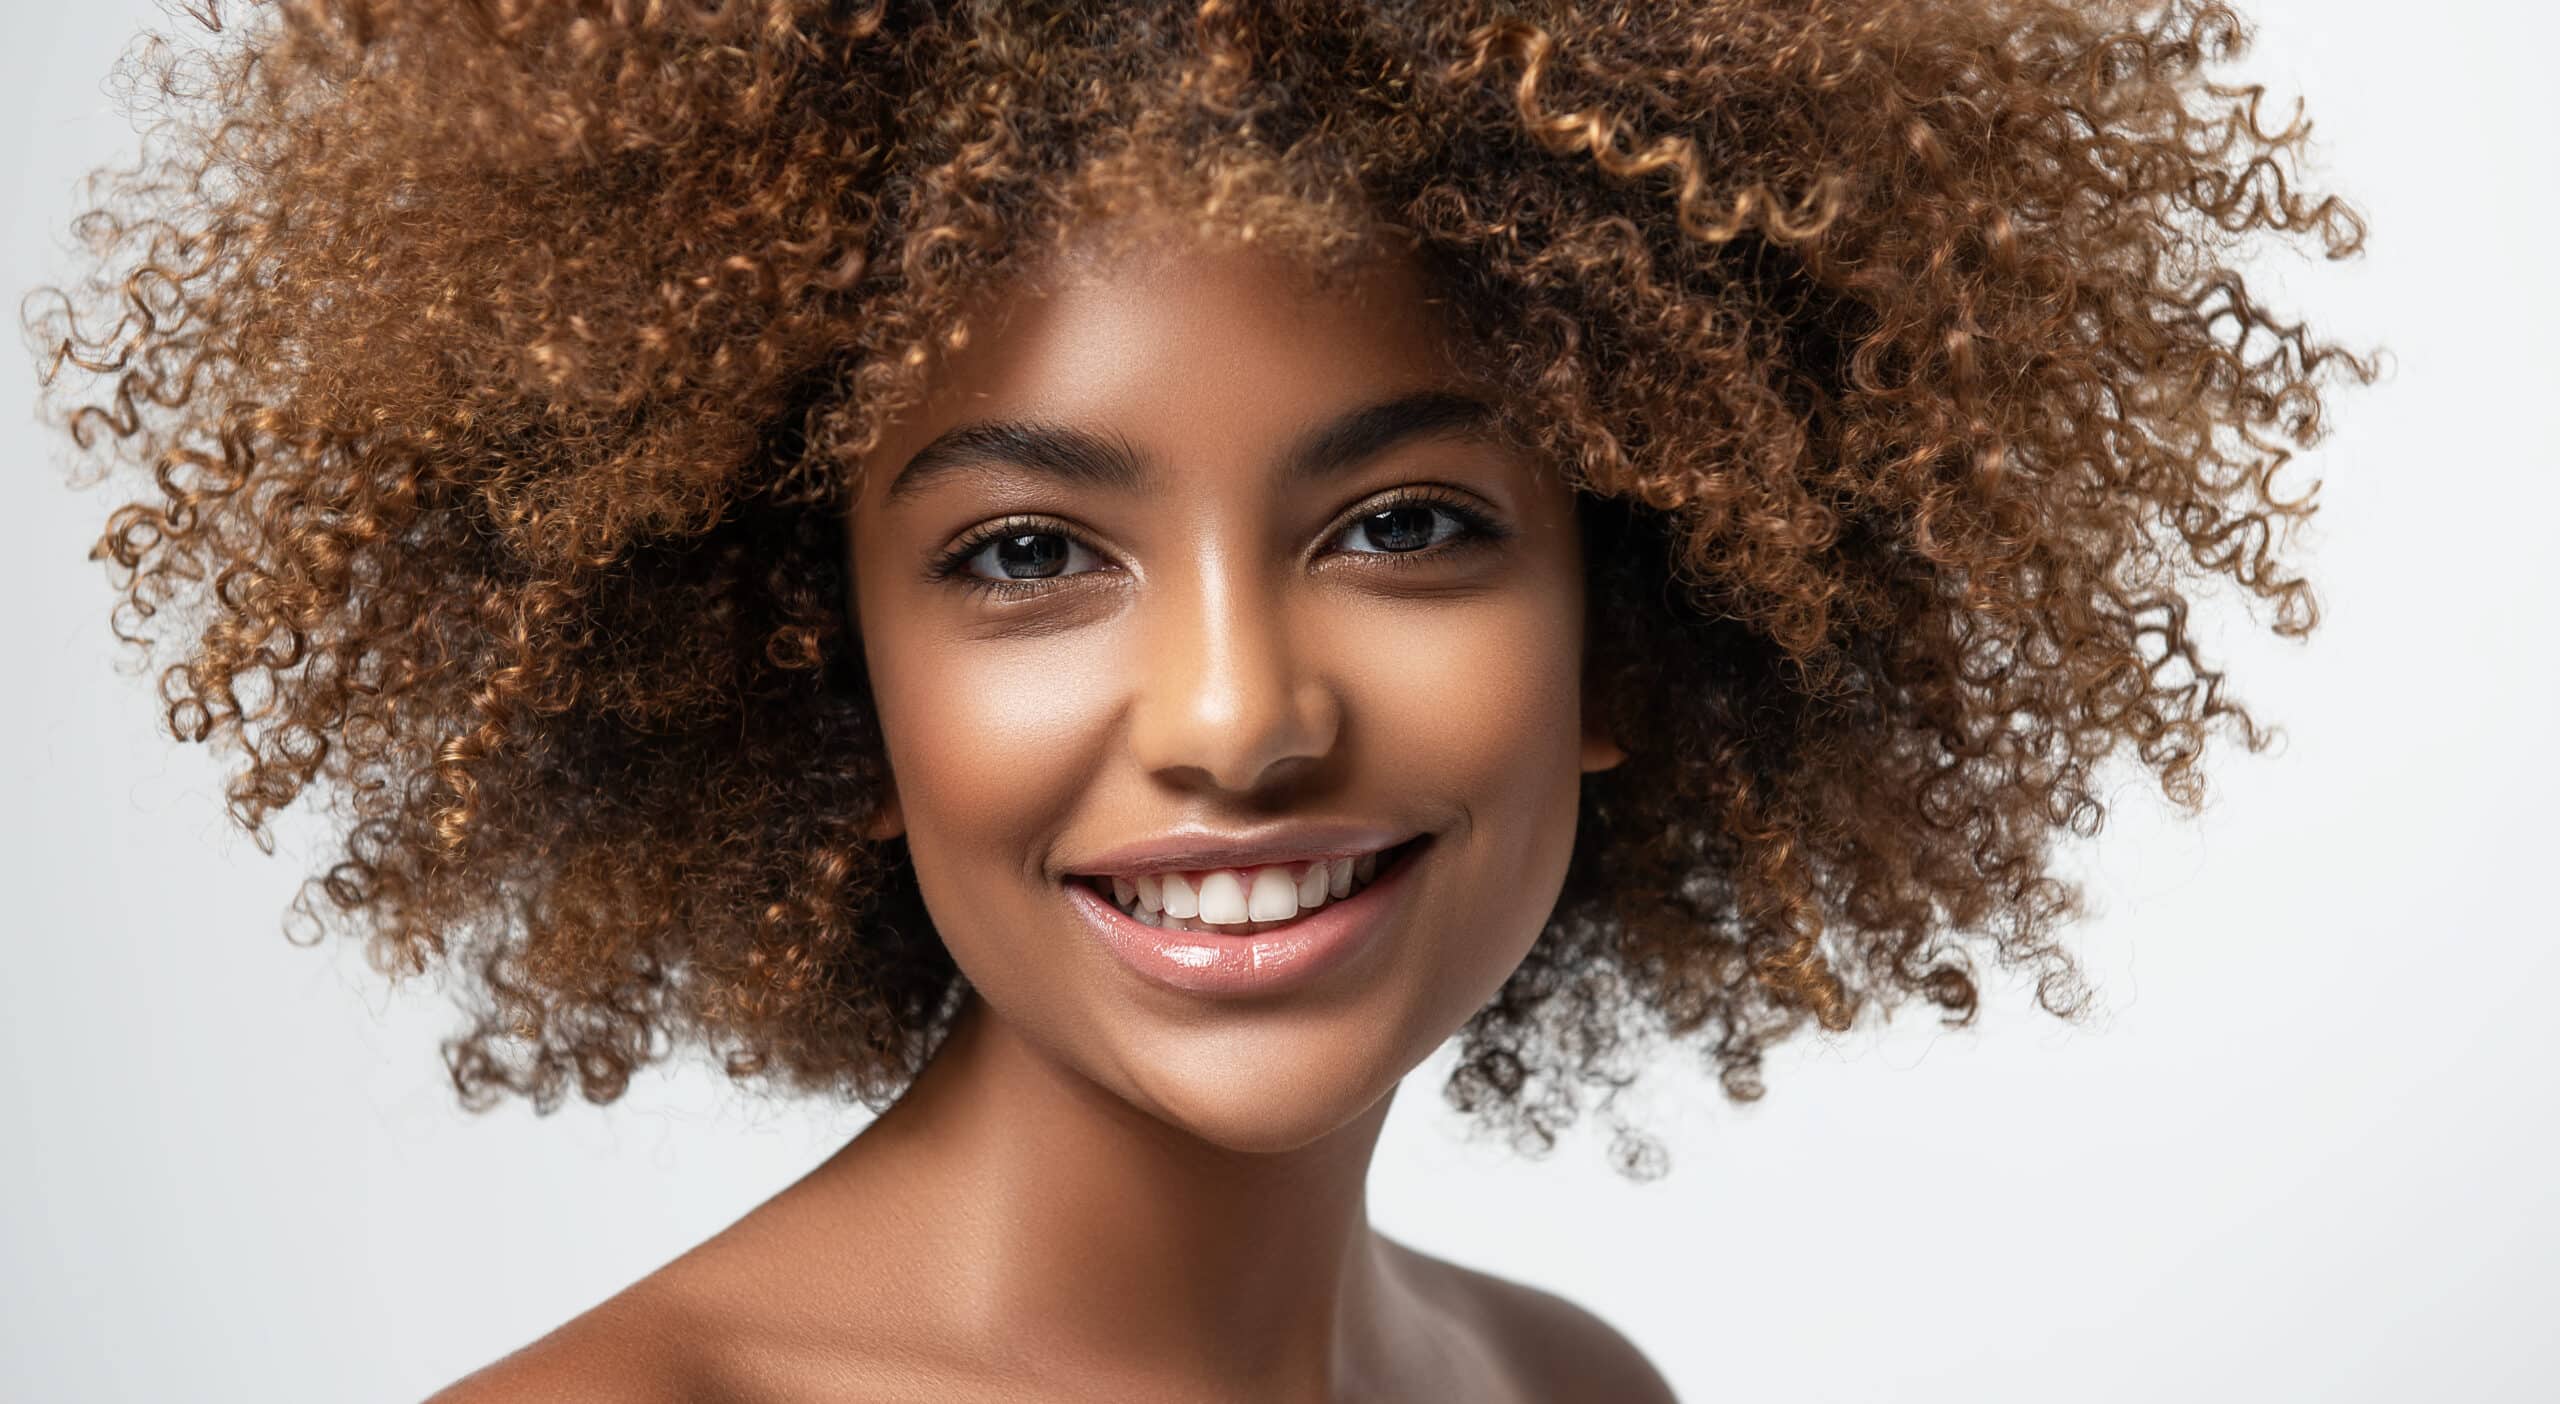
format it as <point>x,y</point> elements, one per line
<point>1483,724</point>
<point>990,743</point>
<point>1473,715</point>
<point>1476,702</point>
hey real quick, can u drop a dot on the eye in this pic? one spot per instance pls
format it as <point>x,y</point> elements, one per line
<point>1404,526</point>
<point>1024,552</point>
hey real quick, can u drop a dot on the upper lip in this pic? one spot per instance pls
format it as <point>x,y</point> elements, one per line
<point>1197,850</point>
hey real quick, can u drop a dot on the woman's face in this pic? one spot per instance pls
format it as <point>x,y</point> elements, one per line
<point>1211,607</point>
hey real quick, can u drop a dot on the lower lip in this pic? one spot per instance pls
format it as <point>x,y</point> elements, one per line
<point>1268,962</point>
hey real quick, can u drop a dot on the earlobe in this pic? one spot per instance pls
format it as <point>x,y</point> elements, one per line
<point>1599,750</point>
<point>888,821</point>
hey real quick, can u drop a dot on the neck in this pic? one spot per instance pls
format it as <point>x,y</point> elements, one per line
<point>1056,1222</point>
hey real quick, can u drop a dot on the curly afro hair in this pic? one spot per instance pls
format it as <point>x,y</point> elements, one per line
<point>498,372</point>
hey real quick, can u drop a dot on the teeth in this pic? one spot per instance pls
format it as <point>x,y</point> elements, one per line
<point>1274,896</point>
<point>1221,898</point>
<point>1180,898</point>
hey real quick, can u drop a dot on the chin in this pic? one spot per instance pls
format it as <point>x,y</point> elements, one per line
<point>1264,1095</point>
<point>1267,1129</point>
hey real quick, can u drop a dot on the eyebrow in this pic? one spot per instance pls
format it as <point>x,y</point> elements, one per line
<point>1081,458</point>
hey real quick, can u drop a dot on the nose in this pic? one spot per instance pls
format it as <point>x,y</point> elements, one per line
<point>1230,693</point>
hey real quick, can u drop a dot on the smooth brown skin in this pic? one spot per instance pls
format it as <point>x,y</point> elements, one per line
<point>1099,1189</point>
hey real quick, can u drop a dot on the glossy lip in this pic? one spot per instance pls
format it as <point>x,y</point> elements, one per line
<point>1269,962</point>
<point>1200,850</point>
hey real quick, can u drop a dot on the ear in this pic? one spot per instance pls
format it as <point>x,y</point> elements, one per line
<point>890,821</point>
<point>1599,751</point>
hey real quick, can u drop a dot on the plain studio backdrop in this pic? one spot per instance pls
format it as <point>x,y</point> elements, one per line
<point>2303,1152</point>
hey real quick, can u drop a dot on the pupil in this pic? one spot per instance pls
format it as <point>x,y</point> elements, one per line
<point>1043,562</point>
<point>1420,516</point>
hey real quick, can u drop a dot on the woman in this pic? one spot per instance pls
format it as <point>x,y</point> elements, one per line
<point>1104,578</point>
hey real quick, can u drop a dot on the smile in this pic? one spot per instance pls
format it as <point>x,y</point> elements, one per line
<point>1244,901</point>
<point>1186,954</point>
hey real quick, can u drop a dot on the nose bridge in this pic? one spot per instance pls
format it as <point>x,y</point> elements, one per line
<point>1228,693</point>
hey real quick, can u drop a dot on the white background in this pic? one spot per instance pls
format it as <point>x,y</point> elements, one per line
<point>2304,1154</point>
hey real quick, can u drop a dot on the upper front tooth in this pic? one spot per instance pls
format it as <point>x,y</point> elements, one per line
<point>1222,897</point>
<point>1338,876</point>
<point>1183,900</point>
<point>1274,896</point>
<point>1150,891</point>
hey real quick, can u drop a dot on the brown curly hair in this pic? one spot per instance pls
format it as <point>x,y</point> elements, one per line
<point>502,369</point>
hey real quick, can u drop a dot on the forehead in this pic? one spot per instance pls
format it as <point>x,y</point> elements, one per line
<point>1198,352</point>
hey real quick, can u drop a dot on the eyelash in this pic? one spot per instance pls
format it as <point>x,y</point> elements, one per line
<point>1474,529</point>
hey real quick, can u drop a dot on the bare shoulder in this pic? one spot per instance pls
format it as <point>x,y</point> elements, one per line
<point>633,1348</point>
<point>1555,1348</point>
<point>711,1327</point>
